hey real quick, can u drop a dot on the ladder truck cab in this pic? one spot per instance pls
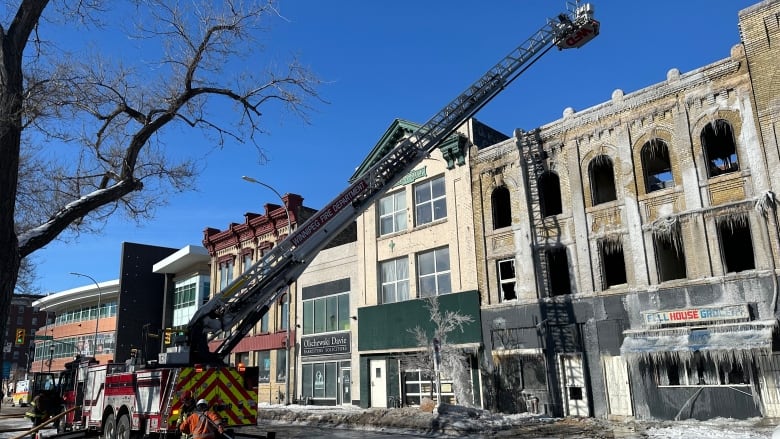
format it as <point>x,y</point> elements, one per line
<point>120,399</point>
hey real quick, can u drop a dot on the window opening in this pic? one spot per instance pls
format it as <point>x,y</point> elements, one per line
<point>433,269</point>
<point>700,370</point>
<point>550,191</point>
<point>225,273</point>
<point>506,279</point>
<point>264,365</point>
<point>669,251</point>
<point>613,263</point>
<point>418,384</point>
<point>326,314</point>
<point>502,208</point>
<point>283,307</point>
<point>656,165</point>
<point>720,150</point>
<point>392,213</point>
<point>602,180</point>
<point>430,201</point>
<point>558,278</point>
<point>394,280</point>
<point>247,261</point>
<point>736,243</point>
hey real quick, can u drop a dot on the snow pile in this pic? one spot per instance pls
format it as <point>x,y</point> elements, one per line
<point>448,419</point>
<point>458,421</point>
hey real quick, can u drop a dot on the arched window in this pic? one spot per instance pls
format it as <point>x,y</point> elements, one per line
<point>502,208</point>
<point>656,165</point>
<point>720,150</point>
<point>550,191</point>
<point>602,180</point>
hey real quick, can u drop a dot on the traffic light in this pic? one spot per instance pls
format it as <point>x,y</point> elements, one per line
<point>167,339</point>
<point>20,336</point>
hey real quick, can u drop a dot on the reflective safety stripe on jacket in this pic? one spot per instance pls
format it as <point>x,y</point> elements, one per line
<point>202,430</point>
<point>199,425</point>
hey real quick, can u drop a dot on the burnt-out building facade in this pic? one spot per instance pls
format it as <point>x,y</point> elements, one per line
<point>630,250</point>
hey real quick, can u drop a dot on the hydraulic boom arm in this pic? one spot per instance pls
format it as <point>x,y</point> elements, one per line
<point>232,313</point>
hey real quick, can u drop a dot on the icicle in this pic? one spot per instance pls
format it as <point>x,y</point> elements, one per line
<point>765,203</point>
<point>610,244</point>
<point>732,220</point>
<point>667,229</point>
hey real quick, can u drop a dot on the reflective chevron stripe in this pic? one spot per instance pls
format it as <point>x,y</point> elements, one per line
<point>222,385</point>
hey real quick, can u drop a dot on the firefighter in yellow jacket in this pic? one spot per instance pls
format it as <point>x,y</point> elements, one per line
<point>202,423</point>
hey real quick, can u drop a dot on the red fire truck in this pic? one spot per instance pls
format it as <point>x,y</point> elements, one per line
<point>120,399</point>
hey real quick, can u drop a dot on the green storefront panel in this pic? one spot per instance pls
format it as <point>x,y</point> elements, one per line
<point>387,327</point>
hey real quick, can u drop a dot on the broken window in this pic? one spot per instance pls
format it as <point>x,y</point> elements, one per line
<point>720,150</point>
<point>613,264</point>
<point>558,280</point>
<point>656,165</point>
<point>502,209</point>
<point>602,180</point>
<point>700,370</point>
<point>735,243</point>
<point>550,194</point>
<point>506,279</point>
<point>669,252</point>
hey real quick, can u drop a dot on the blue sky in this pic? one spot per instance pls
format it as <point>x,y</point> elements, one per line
<point>404,59</point>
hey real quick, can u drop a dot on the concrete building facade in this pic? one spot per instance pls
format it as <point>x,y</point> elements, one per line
<point>326,367</point>
<point>233,251</point>
<point>414,245</point>
<point>630,250</point>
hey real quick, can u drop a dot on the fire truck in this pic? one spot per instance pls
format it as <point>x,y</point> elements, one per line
<point>124,399</point>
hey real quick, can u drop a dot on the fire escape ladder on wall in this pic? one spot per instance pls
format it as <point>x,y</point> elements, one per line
<point>533,156</point>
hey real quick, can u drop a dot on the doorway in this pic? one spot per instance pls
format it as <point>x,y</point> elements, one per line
<point>346,384</point>
<point>377,371</point>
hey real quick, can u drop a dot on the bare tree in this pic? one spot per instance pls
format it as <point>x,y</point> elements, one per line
<point>454,362</point>
<point>85,135</point>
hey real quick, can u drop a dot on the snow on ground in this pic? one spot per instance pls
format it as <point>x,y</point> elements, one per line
<point>461,421</point>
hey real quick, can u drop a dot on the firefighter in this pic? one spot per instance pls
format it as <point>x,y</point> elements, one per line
<point>187,404</point>
<point>202,423</point>
<point>187,408</point>
<point>44,406</point>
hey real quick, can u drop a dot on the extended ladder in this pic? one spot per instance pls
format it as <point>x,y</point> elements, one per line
<point>232,313</point>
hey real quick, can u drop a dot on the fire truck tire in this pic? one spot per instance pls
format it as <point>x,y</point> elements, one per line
<point>109,427</point>
<point>123,427</point>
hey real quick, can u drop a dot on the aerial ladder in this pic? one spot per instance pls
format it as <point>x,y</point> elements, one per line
<point>231,314</point>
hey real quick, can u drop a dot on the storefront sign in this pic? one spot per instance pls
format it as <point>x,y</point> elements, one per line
<point>695,315</point>
<point>413,176</point>
<point>326,344</point>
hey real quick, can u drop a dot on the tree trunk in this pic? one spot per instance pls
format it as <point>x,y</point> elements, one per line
<point>10,140</point>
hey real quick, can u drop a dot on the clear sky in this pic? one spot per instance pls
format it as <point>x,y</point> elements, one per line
<point>406,59</point>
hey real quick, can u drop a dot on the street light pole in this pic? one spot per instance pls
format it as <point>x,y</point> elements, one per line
<point>287,337</point>
<point>97,315</point>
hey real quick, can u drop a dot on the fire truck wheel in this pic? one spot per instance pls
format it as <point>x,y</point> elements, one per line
<point>123,428</point>
<point>109,427</point>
